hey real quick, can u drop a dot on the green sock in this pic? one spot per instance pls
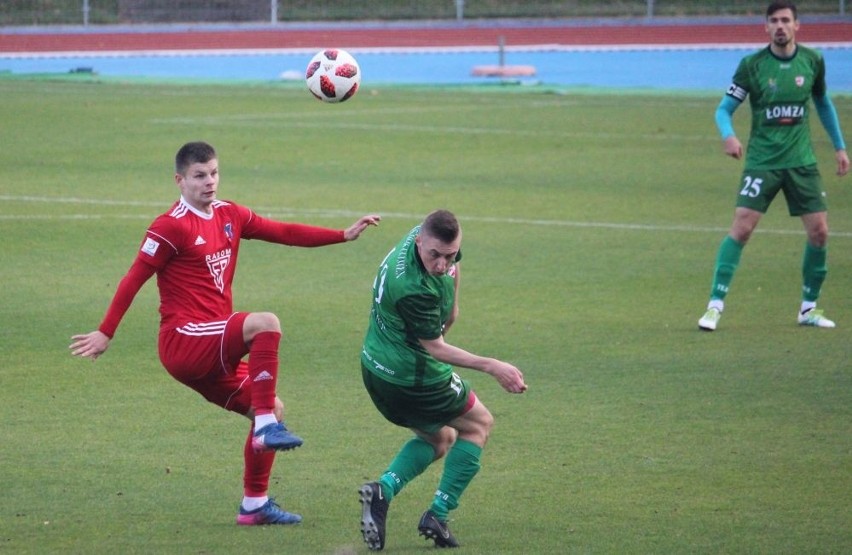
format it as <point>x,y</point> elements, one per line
<point>727,260</point>
<point>461,466</point>
<point>414,457</point>
<point>814,270</point>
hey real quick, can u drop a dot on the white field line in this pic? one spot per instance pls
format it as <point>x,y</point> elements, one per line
<point>485,103</point>
<point>258,121</point>
<point>278,213</point>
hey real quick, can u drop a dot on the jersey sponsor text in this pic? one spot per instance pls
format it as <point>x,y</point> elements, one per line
<point>784,115</point>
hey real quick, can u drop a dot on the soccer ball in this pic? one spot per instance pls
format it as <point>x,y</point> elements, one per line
<point>333,75</point>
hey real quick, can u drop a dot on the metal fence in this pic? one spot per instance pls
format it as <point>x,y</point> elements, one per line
<point>101,12</point>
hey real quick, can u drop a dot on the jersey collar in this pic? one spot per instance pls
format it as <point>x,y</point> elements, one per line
<point>199,213</point>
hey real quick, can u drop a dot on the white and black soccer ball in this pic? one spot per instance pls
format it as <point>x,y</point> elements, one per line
<point>333,75</point>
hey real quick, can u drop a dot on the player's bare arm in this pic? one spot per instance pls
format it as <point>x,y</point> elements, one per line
<point>354,231</point>
<point>93,344</point>
<point>508,376</point>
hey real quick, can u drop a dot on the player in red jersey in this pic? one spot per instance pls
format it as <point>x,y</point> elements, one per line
<point>193,250</point>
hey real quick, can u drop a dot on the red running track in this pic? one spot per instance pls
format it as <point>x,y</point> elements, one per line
<point>414,36</point>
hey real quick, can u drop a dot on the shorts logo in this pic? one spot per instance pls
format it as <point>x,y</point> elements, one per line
<point>150,246</point>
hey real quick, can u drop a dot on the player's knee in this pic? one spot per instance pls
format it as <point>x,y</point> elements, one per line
<point>479,428</point>
<point>488,422</point>
<point>818,237</point>
<point>485,426</point>
<point>745,222</point>
<point>271,322</point>
<point>741,233</point>
<point>442,441</point>
<point>260,322</point>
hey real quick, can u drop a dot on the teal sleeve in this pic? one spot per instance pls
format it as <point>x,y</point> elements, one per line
<point>724,111</point>
<point>828,117</point>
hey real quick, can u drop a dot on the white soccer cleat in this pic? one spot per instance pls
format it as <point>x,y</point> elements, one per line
<point>710,319</point>
<point>814,317</point>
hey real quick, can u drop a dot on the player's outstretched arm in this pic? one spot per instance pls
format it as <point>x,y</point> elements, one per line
<point>93,344</point>
<point>354,231</point>
<point>508,376</point>
<point>89,345</point>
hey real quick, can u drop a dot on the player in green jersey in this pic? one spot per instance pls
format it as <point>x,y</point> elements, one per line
<point>778,80</point>
<point>407,368</point>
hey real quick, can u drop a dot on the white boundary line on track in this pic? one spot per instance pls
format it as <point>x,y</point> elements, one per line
<point>335,213</point>
<point>400,50</point>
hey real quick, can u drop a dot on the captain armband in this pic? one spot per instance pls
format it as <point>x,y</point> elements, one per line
<point>737,92</point>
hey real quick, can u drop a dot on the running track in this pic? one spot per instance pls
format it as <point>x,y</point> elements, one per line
<point>374,35</point>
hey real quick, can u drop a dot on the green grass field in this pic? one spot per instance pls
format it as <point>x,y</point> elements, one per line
<point>591,226</point>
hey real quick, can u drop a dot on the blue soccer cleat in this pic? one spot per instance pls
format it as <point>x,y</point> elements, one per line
<point>274,437</point>
<point>268,513</point>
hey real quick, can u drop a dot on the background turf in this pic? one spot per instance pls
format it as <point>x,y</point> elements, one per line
<point>591,224</point>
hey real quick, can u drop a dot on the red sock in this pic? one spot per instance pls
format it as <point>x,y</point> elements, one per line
<point>258,466</point>
<point>263,371</point>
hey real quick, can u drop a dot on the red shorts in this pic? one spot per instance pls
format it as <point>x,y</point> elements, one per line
<point>207,357</point>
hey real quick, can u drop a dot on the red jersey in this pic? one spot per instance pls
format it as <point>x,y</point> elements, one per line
<point>195,256</point>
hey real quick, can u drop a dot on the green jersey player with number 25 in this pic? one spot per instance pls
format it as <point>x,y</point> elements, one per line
<point>779,81</point>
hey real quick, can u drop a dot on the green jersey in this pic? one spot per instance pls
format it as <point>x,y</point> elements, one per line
<point>409,304</point>
<point>778,91</point>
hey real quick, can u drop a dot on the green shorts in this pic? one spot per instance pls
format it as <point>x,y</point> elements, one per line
<point>802,188</point>
<point>426,408</point>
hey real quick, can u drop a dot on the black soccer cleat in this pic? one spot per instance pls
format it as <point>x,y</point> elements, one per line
<point>374,512</point>
<point>432,528</point>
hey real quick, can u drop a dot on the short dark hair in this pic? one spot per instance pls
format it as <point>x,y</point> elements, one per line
<point>193,153</point>
<point>782,5</point>
<point>442,225</point>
